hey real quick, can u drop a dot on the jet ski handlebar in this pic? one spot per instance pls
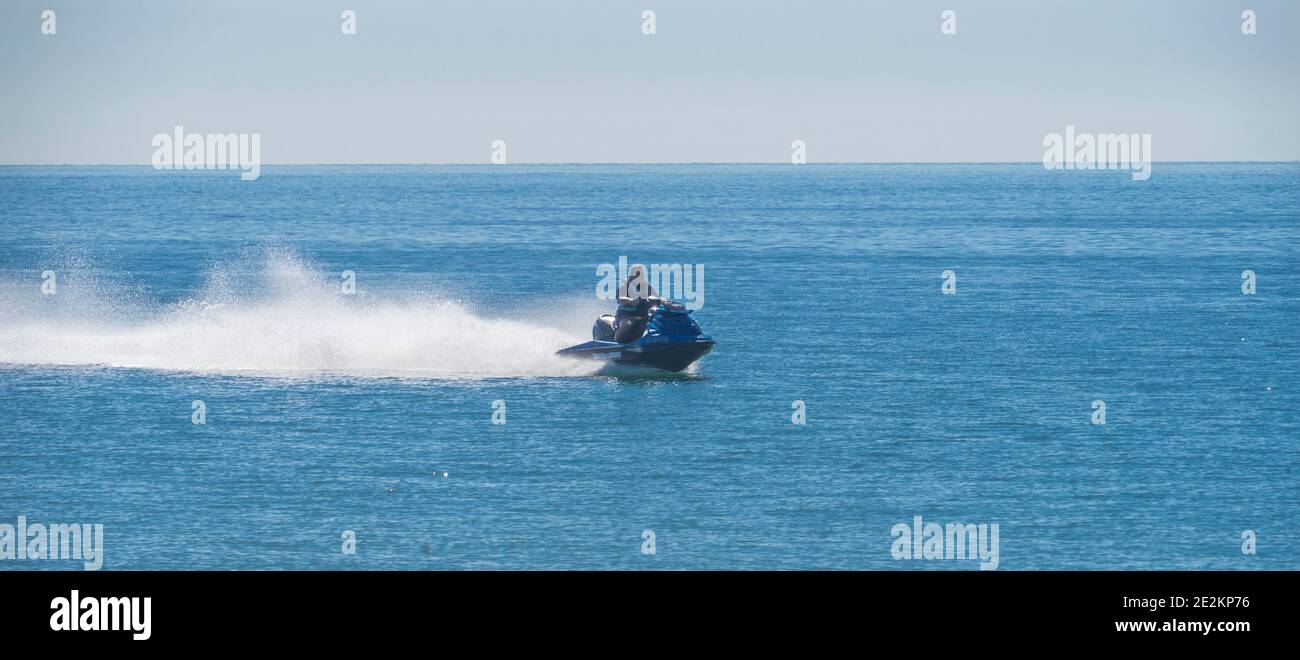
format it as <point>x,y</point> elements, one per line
<point>653,300</point>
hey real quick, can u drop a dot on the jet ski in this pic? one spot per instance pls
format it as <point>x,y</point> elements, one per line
<point>646,332</point>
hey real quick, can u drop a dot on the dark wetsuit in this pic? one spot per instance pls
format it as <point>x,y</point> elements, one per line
<point>630,320</point>
<point>633,311</point>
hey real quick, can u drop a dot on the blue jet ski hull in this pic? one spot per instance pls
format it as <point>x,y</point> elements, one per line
<point>669,338</point>
<point>669,354</point>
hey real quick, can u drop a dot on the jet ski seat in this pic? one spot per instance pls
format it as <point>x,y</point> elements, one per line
<point>631,319</point>
<point>603,330</point>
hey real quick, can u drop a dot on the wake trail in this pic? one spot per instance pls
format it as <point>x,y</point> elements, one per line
<point>285,318</point>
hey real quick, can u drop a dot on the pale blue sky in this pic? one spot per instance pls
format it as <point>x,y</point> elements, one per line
<point>576,81</point>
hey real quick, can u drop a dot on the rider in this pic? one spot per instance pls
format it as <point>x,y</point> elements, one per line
<point>635,298</point>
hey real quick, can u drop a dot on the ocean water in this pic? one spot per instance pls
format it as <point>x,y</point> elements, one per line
<point>373,412</point>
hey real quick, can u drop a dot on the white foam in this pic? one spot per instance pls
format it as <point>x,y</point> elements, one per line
<point>286,318</point>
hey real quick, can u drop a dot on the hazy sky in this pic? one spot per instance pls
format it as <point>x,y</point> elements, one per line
<point>576,80</point>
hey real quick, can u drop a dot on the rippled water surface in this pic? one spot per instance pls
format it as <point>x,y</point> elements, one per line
<point>372,412</point>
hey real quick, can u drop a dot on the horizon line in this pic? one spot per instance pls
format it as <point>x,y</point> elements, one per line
<point>650,162</point>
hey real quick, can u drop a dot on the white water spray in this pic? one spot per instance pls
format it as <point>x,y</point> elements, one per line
<point>287,318</point>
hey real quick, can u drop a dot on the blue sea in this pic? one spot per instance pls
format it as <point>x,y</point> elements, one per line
<point>372,413</point>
